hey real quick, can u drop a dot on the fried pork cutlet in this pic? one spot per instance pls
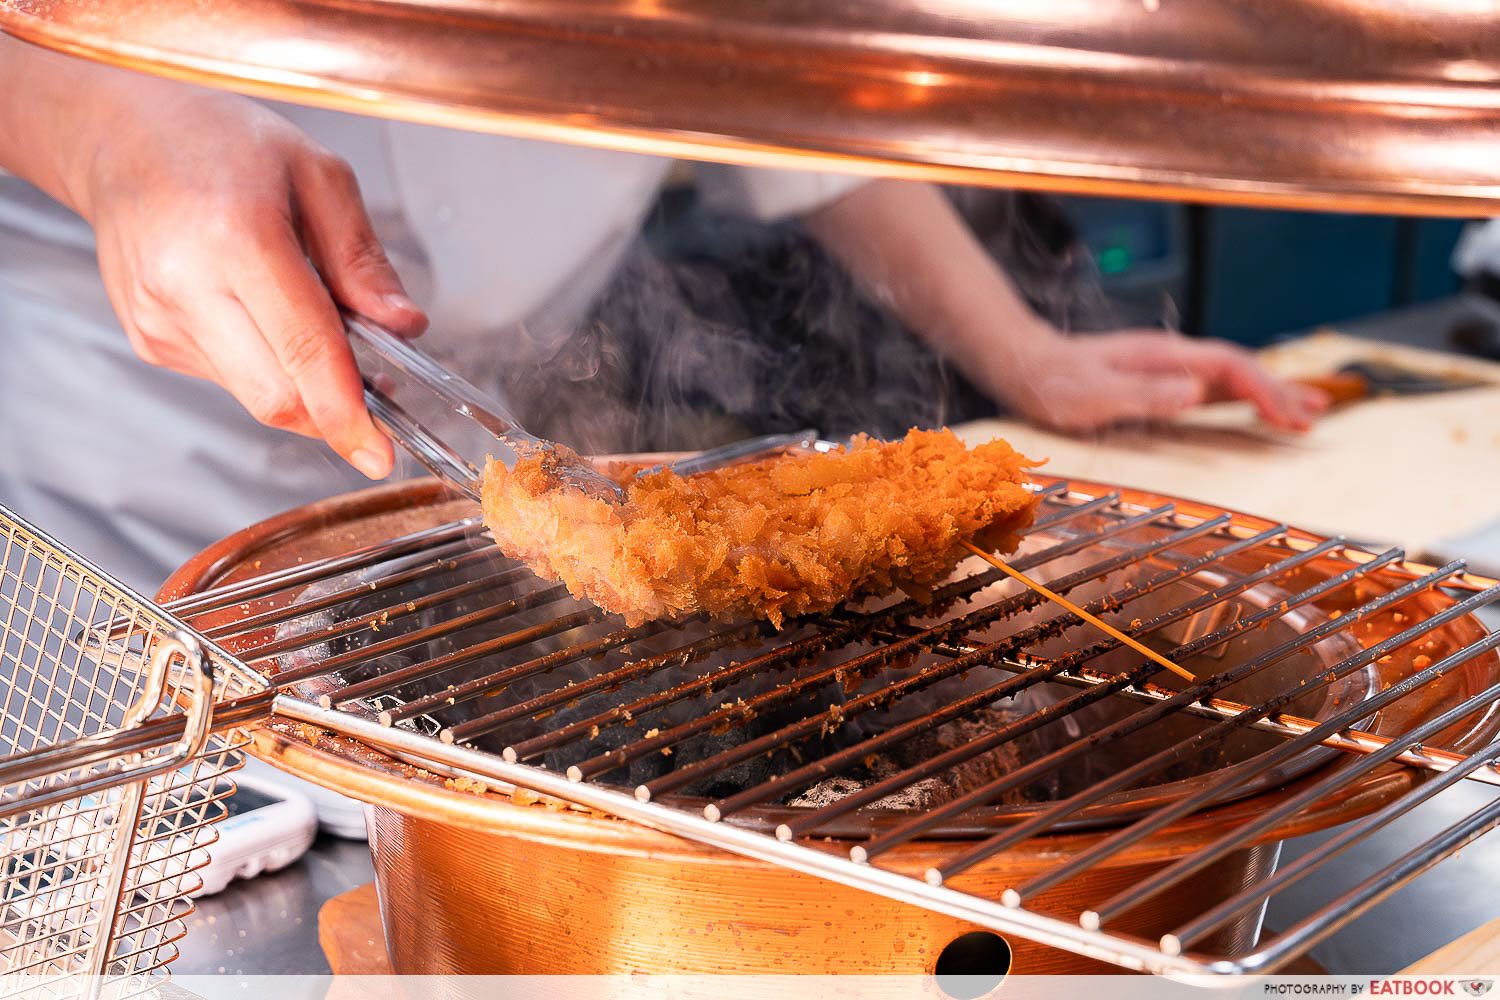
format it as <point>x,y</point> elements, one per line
<point>770,539</point>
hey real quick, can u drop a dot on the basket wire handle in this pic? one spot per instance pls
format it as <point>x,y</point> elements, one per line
<point>42,761</point>
<point>61,758</point>
<point>156,679</point>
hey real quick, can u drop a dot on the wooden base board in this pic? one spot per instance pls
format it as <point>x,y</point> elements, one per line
<point>350,934</point>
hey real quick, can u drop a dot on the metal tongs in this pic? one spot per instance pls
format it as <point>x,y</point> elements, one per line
<point>461,399</point>
<point>465,401</point>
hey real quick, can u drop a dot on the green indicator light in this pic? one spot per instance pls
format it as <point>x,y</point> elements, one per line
<point>1113,260</point>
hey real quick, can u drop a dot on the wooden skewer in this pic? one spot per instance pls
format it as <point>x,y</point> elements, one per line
<point>1016,574</point>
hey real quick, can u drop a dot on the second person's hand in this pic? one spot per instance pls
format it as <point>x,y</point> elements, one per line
<point>1087,381</point>
<point>225,236</point>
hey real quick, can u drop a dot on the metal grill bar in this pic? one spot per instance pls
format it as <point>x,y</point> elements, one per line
<point>397,643</point>
<point>469,690</point>
<point>431,564</point>
<point>1376,887</point>
<point>1428,758</point>
<point>1226,911</point>
<point>679,657</point>
<point>1433,759</point>
<point>373,620</point>
<point>511,640</point>
<point>224,597</point>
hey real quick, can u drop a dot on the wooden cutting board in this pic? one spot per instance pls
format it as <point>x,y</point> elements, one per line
<point>1417,471</point>
<point>1475,954</point>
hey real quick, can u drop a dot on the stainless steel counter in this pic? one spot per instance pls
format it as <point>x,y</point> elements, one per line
<point>269,925</point>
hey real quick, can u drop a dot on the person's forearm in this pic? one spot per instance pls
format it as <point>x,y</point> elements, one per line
<point>906,244</point>
<point>53,111</point>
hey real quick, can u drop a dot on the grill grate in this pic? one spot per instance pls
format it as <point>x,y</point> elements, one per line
<point>438,650</point>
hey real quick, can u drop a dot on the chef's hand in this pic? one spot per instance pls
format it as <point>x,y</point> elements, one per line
<point>225,237</point>
<point>1087,381</point>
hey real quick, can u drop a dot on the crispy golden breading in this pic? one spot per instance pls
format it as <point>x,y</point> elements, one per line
<point>770,539</point>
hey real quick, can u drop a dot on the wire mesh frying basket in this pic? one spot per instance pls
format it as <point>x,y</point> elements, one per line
<point>110,773</point>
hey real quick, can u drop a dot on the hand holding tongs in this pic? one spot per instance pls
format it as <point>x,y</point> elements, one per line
<point>464,400</point>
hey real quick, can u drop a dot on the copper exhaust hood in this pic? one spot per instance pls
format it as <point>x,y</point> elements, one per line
<point>1361,105</point>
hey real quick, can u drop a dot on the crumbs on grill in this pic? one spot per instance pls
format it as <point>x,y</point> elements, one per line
<point>771,539</point>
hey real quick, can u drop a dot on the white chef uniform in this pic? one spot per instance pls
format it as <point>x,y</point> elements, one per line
<point>138,468</point>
